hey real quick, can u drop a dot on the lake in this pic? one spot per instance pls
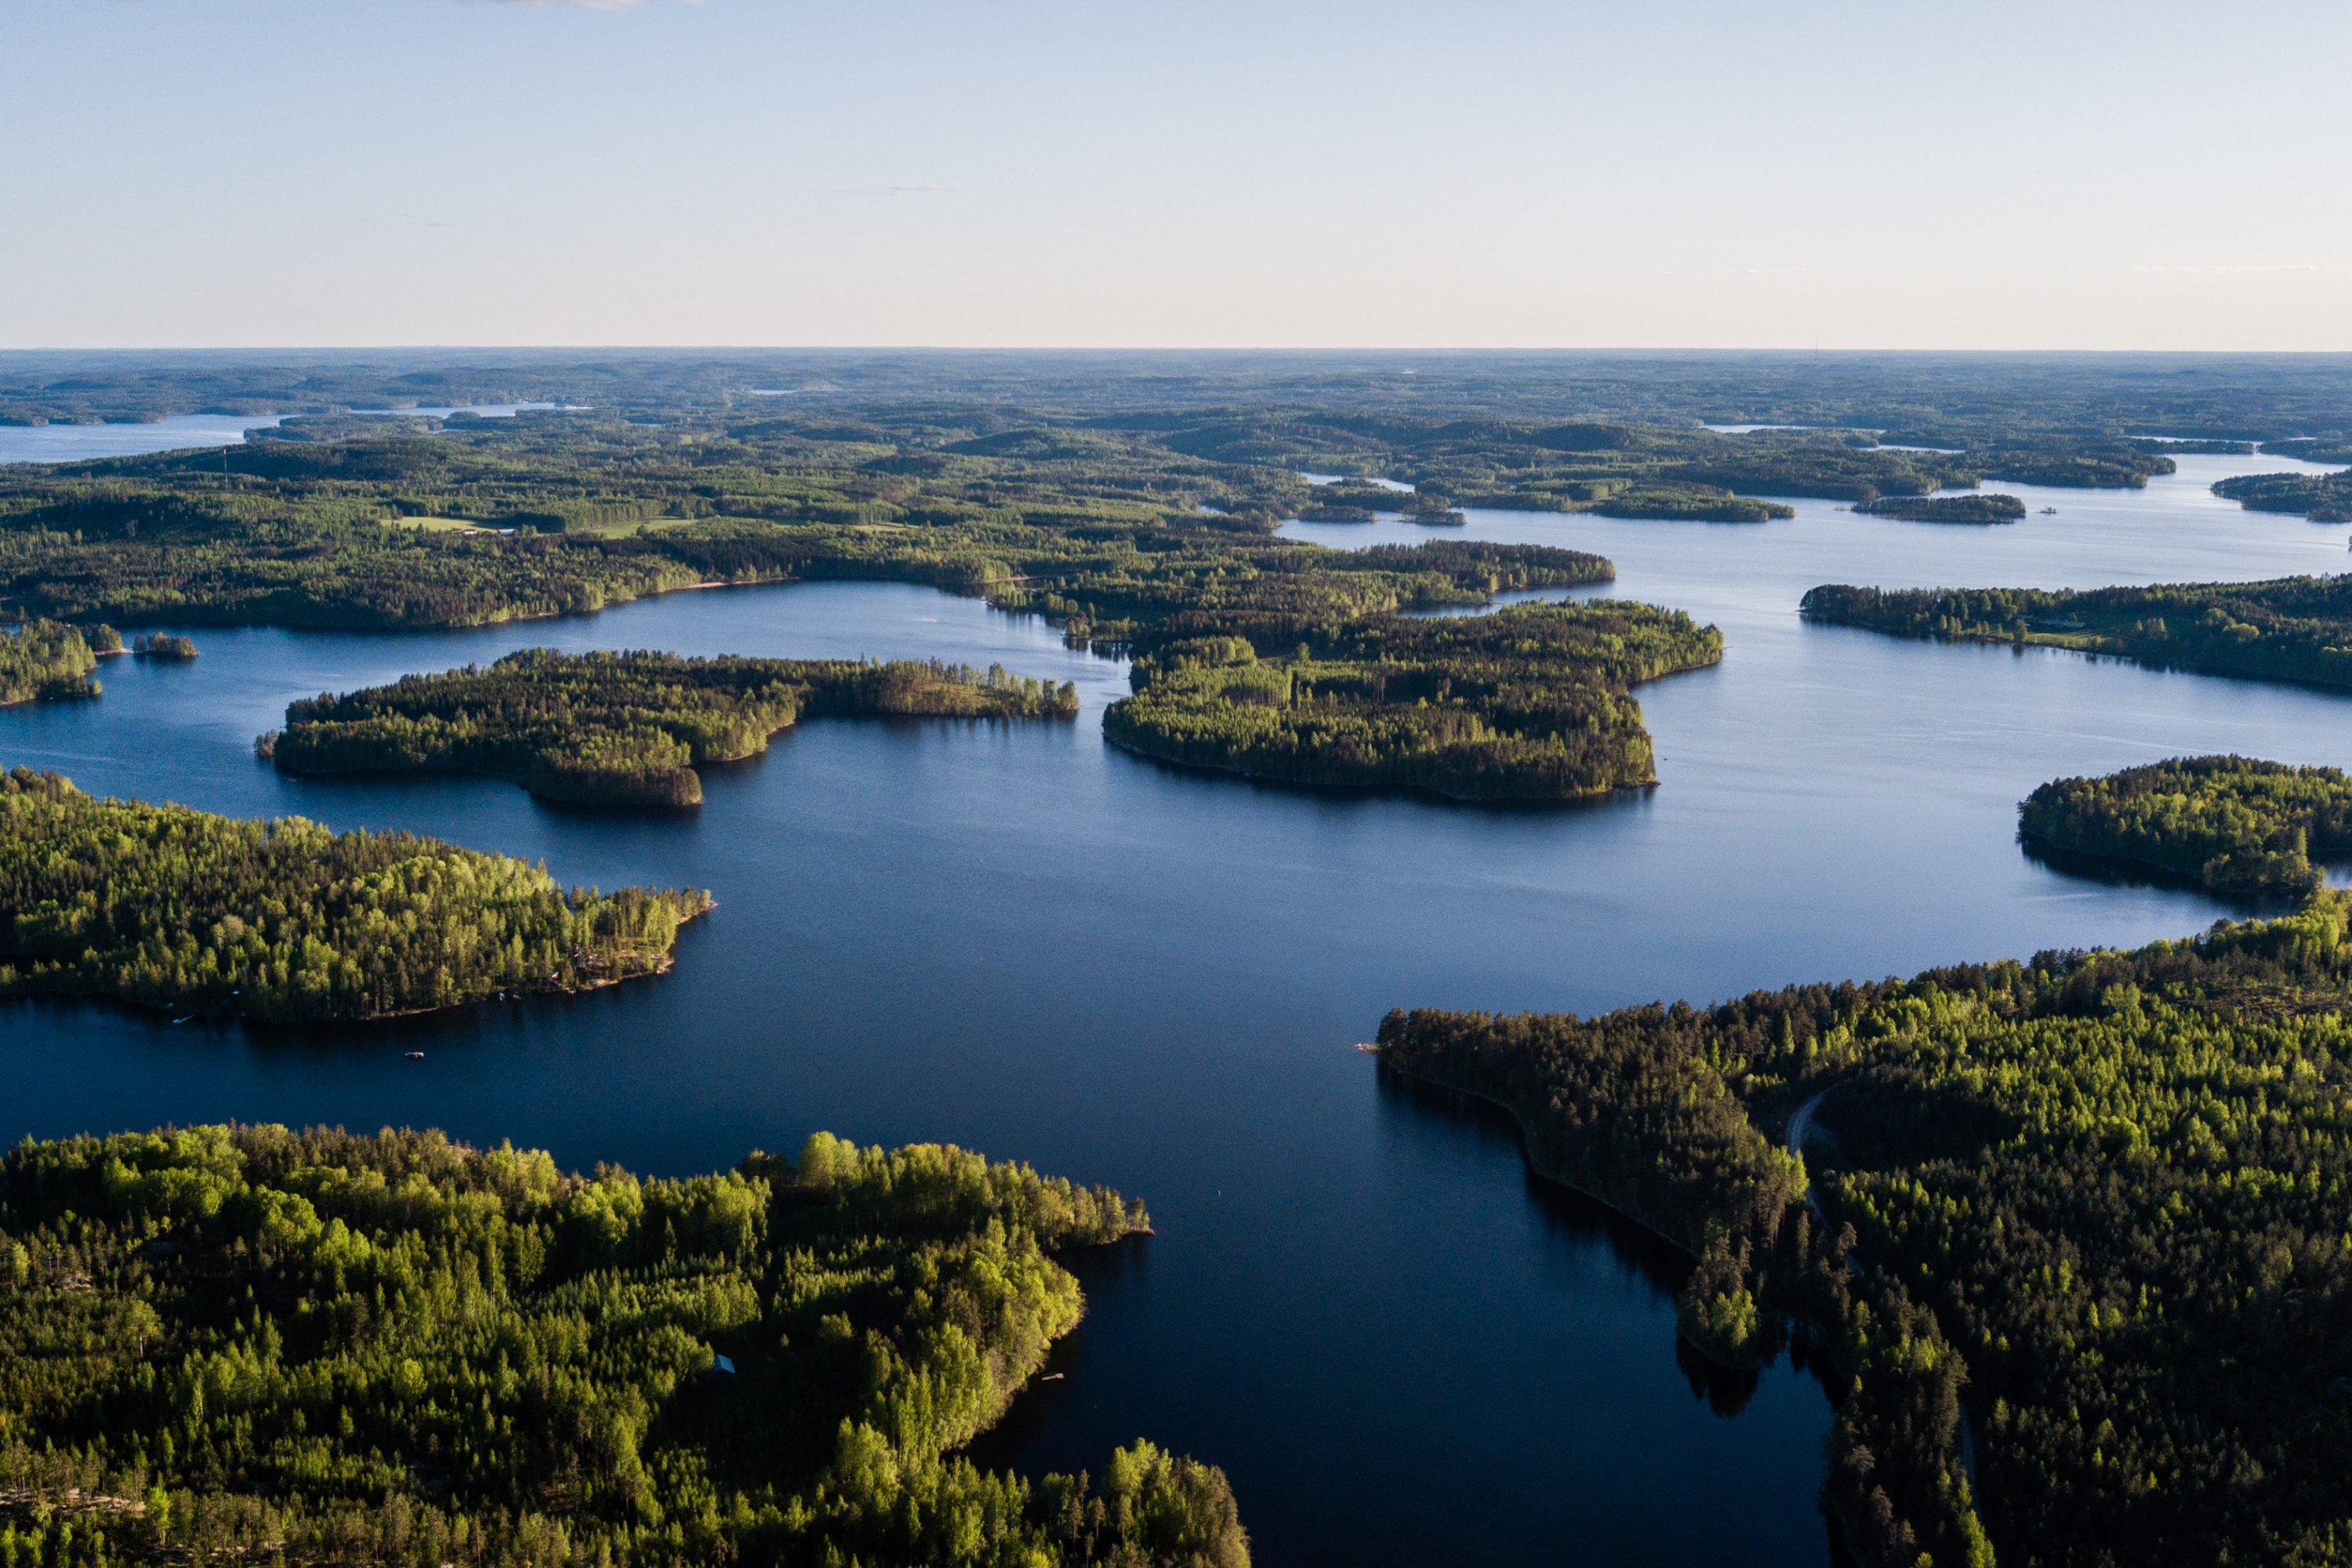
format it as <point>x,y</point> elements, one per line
<point>1015,938</point>
<point>179,432</point>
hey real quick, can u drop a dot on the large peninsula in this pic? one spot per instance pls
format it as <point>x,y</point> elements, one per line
<point>2091,1206</point>
<point>232,1344</point>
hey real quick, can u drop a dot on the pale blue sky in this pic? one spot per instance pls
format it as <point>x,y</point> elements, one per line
<point>1679,172</point>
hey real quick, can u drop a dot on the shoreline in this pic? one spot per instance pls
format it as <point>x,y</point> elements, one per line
<point>1383,791</point>
<point>1800,1122</point>
<point>1527,1158</point>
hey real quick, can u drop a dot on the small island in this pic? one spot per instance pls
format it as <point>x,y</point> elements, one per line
<point>2293,630</point>
<point>1980,509</point>
<point>48,661</point>
<point>1524,704</point>
<point>2232,824</point>
<point>163,646</point>
<point>2099,1194</point>
<point>251,1344</point>
<point>625,728</point>
<point>159,906</point>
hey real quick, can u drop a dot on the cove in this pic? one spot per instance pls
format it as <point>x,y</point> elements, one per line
<point>1020,940</point>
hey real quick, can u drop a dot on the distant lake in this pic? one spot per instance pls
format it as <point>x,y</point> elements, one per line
<point>88,442</point>
<point>483,410</point>
<point>179,432</point>
<point>1018,938</point>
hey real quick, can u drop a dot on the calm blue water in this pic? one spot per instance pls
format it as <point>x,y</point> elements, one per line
<point>1015,938</point>
<point>87,443</point>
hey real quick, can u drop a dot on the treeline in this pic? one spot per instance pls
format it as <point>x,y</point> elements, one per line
<point>1949,399</point>
<point>2233,823</point>
<point>48,661</point>
<point>1947,509</point>
<point>164,907</point>
<point>244,1344</point>
<point>1527,703</point>
<point>2093,1206</point>
<point>624,728</point>
<point>2295,629</point>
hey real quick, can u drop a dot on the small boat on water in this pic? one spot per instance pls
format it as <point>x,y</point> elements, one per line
<point>416,1056</point>
<point>2050,511</point>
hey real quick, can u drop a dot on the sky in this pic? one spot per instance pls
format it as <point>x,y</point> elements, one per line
<point>1132,174</point>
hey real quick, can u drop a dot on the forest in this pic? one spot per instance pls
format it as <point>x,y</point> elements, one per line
<point>2295,629</point>
<point>624,728</point>
<point>1986,508</point>
<point>2090,1207</point>
<point>159,906</point>
<point>248,1344</point>
<point>1528,703</point>
<point>49,661</point>
<point>566,516</point>
<point>2232,824</point>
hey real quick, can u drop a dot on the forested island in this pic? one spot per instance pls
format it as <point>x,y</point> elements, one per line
<point>624,728</point>
<point>159,906</point>
<point>2295,629</point>
<point>2099,1197</point>
<point>2232,824</point>
<point>164,647</point>
<point>1524,704</point>
<point>48,661</point>
<point>250,1344</point>
<point>1946,509</point>
<point>1690,504</point>
<point>2322,498</point>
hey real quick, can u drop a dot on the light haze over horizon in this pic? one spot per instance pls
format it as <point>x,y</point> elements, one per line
<point>1685,174</point>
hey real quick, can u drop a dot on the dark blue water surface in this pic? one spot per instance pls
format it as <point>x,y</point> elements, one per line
<point>1017,939</point>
